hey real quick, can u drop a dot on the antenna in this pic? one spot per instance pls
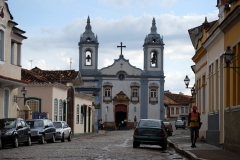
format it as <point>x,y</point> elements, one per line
<point>31,62</point>
<point>70,63</point>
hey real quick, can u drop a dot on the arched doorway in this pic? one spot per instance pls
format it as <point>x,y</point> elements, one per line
<point>121,114</point>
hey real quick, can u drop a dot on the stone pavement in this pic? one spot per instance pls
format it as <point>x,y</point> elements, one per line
<point>182,144</point>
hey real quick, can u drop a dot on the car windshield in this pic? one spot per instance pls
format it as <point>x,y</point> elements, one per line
<point>36,123</point>
<point>57,124</point>
<point>7,123</point>
<point>148,123</point>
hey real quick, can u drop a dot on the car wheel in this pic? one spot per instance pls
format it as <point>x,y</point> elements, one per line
<point>15,143</point>
<point>135,144</point>
<point>62,140</point>
<point>70,136</point>
<point>164,145</point>
<point>53,138</point>
<point>42,140</point>
<point>29,142</point>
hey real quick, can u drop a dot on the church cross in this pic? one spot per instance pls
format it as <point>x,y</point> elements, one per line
<point>121,47</point>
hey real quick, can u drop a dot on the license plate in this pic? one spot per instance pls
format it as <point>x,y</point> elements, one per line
<point>148,132</point>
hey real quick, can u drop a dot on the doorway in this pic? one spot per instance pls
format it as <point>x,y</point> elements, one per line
<point>121,114</point>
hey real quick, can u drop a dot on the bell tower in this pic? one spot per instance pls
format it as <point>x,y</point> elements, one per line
<point>88,51</point>
<point>153,52</point>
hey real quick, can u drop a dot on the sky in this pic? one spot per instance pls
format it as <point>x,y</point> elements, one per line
<point>53,28</point>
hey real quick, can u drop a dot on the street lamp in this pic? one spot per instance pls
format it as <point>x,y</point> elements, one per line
<point>228,57</point>
<point>23,91</point>
<point>186,81</point>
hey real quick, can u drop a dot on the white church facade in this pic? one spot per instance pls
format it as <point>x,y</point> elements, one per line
<point>124,91</point>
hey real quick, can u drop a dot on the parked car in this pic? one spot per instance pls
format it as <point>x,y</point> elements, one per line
<point>169,128</point>
<point>42,130</point>
<point>63,130</point>
<point>14,131</point>
<point>182,117</point>
<point>180,124</point>
<point>0,140</point>
<point>150,131</point>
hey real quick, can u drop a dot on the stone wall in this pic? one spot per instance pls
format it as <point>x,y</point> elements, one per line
<point>232,129</point>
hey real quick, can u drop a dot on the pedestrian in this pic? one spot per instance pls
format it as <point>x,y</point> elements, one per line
<point>101,124</point>
<point>194,124</point>
<point>135,121</point>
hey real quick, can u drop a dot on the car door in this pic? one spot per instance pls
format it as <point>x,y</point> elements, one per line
<point>25,131</point>
<point>66,129</point>
<point>20,131</point>
<point>51,128</point>
<point>47,130</point>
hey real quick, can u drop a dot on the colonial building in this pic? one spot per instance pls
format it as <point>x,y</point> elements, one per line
<point>217,47</point>
<point>53,92</point>
<point>176,105</point>
<point>10,62</point>
<point>124,90</point>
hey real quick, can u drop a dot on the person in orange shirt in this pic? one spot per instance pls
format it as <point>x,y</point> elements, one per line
<point>193,123</point>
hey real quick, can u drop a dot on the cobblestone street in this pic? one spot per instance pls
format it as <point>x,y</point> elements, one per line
<point>111,145</point>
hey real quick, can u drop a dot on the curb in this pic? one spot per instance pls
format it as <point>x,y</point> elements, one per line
<point>187,154</point>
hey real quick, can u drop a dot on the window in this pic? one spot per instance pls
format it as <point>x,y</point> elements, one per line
<point>55,110</point>
<point>88,58</point>
<point>77,120</point>
<point>182,109</point>
<point>121,77</point>
<point>12,53</point>
<point>186,110</point>
<point>1,45</point>
<point>81,115</point>
<point>172,110</point>
<point>177,110</point>
<point>153,59</point>
<point>153,93</point>
<point>33,105</point>
<point>6,103</point>
<point>60,110</point>
<point>135,92</point>
<point>107,92</point>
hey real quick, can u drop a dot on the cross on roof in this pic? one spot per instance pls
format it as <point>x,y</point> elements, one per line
<point>121,47</point>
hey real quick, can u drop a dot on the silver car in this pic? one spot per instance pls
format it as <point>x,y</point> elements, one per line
<point>63,131</point>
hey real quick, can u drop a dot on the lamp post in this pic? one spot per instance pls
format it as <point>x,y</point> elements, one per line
<point>23,91</point>
<point>106,110</point>
<point>187,80</point>
<point>228,58</point>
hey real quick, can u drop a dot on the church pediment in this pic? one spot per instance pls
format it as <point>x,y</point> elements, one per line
<point>121,64</point>
<point>121,97</point>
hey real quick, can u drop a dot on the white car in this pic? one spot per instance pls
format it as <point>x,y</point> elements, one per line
<point>63,131</point>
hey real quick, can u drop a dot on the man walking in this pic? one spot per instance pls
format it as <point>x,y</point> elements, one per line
<point>193,123</point>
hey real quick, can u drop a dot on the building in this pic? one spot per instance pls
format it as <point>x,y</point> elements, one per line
<point>11,38</point>
<point>53,92</point>
<point>176,105</point>
<point>217,84</point>
<point>124,90</point>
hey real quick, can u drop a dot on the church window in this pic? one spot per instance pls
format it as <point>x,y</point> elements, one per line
<point>88,58</point>
<point>88,39</point>
<point>135,92</point>
<point>121,76</point>
<point>153,59</point>
<point>153,93</point>
<point>1,45</point>
<point>60,110</point>
<point>107,92</point>
<point>55,110</point>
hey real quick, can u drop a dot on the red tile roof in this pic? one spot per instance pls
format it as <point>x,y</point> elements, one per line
<point>37,75</point>
<point>12,79</point>
<point>178,98</point>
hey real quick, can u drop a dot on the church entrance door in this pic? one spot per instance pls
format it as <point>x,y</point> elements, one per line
<point>121,114</point>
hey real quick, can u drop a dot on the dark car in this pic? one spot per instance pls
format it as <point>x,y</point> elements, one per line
<point>150,131</point>
<point>63,130</point>
<point>0,140</point>
<point>14,131</point>
<point>180,124</point>
<point>169,128</point>
<point>42,130</point>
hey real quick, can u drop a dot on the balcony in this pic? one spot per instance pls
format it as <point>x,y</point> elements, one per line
<point>107,99</point>
<point>134,99</point>
<point>153,100</point>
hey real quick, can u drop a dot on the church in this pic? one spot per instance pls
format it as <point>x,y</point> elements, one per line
<point>124,92</point>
